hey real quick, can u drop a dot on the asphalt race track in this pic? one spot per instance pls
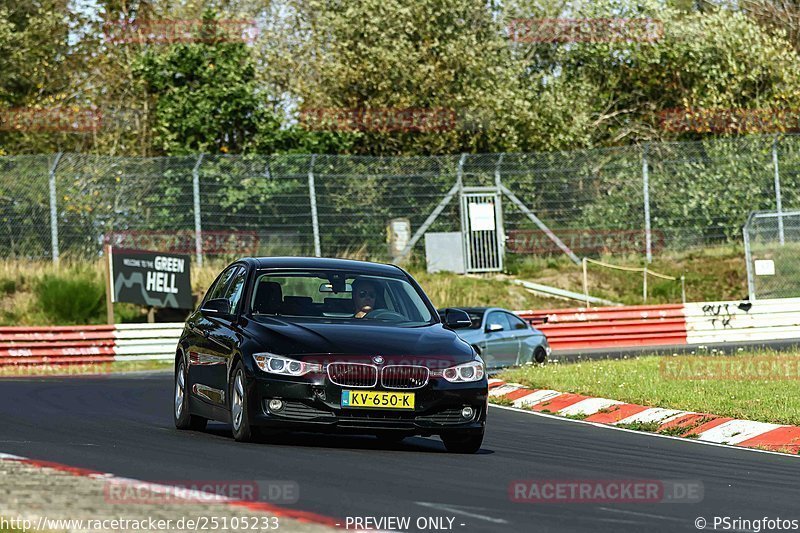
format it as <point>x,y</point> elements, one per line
<point>123,425</point>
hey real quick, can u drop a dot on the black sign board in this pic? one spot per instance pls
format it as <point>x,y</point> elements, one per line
<point>153,279</point>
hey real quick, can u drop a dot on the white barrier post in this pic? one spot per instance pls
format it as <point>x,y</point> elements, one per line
<point>683,289</point>
<point>644,284</point>
<point>585,283</point>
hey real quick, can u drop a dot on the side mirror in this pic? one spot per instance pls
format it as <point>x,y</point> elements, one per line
<point>493,327</point>
<point>216,307</point>
<point>456,319</point>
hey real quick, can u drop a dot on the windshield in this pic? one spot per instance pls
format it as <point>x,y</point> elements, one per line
<point>335,295</point>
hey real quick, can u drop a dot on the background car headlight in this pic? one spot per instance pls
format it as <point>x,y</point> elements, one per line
<point>285,366</point>
<point>464,373</point>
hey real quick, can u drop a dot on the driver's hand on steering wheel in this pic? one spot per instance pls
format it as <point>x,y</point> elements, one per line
<point>363,312</point>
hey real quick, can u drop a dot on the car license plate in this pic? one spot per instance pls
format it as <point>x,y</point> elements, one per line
<point>378,399</point>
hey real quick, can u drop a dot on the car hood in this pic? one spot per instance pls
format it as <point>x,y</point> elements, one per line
<point>316,338</point>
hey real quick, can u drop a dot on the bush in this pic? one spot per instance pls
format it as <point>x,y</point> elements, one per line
<point>77,297</point>
<point>7,286</point>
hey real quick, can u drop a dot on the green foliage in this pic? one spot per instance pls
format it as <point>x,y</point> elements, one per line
<point>43,67</point>
<point>75,298</point>
<point>717,58</point>
<point>206,98</point>
<point>7,286</point>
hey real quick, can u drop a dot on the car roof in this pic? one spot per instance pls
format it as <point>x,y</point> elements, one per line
<point>365,267</point>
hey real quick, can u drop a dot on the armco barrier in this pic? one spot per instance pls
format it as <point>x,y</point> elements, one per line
<point>662,325</point>
<point>82,344</point>
<point>608,327</point>
<point>566,329</point>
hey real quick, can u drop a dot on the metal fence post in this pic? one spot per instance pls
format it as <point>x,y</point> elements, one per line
<point>465,249</point>
<point>778,204</point>
<point>312,193</point>
<point>54,209</point>
<point>751,289</point>
<point>646,190</point>
<point>501,230</point>
<point>198,227</point>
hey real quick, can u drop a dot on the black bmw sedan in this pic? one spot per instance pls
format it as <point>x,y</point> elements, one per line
<point>328,345</point>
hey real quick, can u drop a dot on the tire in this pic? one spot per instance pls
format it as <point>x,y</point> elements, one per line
<point>180,411</point>
<point>463,443</point>
<point>539,355</point>
<point>240,415</point>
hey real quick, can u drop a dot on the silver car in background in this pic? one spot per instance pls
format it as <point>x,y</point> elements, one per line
<point>502,338</point>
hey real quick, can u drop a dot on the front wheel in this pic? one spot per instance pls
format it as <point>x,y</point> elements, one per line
<point>183,419</point>
<point>463,443</point>
<point>240,416</point>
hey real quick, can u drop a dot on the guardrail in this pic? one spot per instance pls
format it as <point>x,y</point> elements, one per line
<point>566,329</point>
<point>663,325</point>
<point>607,327</point>
<point>88,344</point>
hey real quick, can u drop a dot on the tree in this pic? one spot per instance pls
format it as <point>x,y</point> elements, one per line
<point>711,59</point>
<point>391,56</point>
<point>41,58</point>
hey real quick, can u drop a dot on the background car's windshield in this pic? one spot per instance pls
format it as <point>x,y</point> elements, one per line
<point>339,295</point>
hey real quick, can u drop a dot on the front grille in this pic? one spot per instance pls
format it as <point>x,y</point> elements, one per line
<point>404,377</point>
<point>353,374</point>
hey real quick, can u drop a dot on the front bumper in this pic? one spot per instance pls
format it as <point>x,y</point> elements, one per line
<point>315,405</point>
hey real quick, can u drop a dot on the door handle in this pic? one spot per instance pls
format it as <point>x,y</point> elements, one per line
<point>203,333</point>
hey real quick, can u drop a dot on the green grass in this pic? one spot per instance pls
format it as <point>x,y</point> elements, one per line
<point>712,273</point>
<point>644,381</point>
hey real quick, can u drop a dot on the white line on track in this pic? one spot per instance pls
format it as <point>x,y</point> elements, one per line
<point>644,515</point>
<point>459,510</point>
<point>657,435</point>
<point>60,443</point>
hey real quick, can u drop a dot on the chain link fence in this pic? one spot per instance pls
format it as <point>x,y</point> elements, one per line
<point>772,249</point>
<point>643,199</point>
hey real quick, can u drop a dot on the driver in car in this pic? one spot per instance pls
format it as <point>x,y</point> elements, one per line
<point>365,293</point>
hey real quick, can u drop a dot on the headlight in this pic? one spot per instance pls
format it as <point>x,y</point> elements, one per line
<point>285,366</point>
<point>464,373</point>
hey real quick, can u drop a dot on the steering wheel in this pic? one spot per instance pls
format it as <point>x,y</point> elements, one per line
<point>384,314</point>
